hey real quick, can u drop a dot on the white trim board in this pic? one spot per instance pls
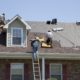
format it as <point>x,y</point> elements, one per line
<point>21,37</point>
<point>17,17</point>
<point>54,56</point>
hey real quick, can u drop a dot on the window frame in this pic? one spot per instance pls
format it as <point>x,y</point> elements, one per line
<point>17,64</point>
<point>21,36</point>
<point>51,70</point>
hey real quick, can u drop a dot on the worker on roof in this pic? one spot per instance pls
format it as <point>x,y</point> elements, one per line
<point>49,36</point>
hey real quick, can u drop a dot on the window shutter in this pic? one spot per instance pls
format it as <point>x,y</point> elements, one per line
<point>64,72</point>
<point>7,72</point>
<point>26,72</point>
<point>47,72</point>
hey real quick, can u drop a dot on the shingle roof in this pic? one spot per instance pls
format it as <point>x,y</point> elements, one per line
<point>66,41</point>
<point>56,46</point>
<point>69,37</point>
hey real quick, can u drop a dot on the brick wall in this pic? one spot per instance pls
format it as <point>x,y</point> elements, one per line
<point>72,69</point>
<point>5,68</point>
<point>2,69</point>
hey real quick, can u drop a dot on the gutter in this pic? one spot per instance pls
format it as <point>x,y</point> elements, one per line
<point>21,55</point>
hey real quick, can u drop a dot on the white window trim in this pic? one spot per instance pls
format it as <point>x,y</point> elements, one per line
<point>55,64</point>
<point>22,71</point>
<point>21,37</point>
<point>26,39</point>
<point>7,39</point>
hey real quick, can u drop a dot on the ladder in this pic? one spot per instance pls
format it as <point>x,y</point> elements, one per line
<point>36,69</point>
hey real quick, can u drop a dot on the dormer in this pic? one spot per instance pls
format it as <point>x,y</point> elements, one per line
<point>17,30</point>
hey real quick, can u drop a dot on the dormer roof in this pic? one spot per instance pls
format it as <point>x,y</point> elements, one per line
<point>17,17</point>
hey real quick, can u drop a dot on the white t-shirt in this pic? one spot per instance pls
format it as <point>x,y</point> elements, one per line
<point>49,34</point>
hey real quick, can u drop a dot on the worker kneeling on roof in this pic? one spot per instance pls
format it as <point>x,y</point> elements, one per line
<point>49,36</point>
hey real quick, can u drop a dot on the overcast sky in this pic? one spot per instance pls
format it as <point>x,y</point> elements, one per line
<point>42,10</point>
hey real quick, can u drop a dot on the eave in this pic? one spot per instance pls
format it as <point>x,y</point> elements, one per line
<point>17,17</point>
<point>54,56</point>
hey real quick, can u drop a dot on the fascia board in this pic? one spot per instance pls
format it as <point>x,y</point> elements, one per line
<point>27,26</point>
<point>56,56</point>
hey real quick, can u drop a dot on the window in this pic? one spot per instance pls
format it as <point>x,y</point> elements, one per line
<point>17,36</point>
<point>17,71</point>
<point>55,72</point>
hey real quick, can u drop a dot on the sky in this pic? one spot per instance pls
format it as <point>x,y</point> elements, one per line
<point>42,10</point>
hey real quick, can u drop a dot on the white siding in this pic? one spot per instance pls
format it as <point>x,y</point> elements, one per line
<point>19,24</point>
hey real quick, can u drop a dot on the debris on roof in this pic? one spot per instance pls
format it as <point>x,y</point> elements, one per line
<point>45,45</point>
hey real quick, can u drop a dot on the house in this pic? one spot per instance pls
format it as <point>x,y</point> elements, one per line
<point>59,62</point>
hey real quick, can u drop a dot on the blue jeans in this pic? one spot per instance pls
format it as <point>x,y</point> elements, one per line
<point>34,52</point>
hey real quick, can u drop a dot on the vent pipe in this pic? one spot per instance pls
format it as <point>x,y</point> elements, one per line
<point>3,17</point>
<point>77,23</point>
<point>48,22</point>
<point>54,21</point>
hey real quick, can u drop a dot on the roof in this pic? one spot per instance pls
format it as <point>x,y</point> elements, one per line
<point>68,37</point>
<point>19,18</point>
<point>56,46</point>
<point>65,41</point>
